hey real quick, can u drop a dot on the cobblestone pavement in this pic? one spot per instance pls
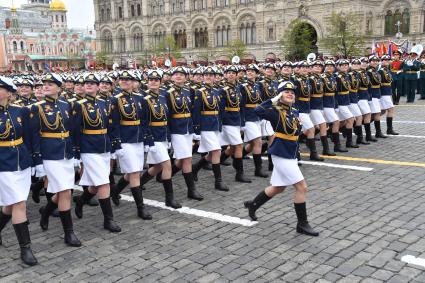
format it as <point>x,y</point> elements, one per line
<point>367,222</point>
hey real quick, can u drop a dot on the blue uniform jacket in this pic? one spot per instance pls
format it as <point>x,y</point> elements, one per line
<point>158,114</point>
<point>343,89</point>
<point>230,105</point>
<point>206,110</point>
<point>179,102</point>
<point>287,126</point>
<point>316,97</point>
<point>329,88</point>
<point>386,81</point>
<point>15,143</point>
<point>130,112</point>
<point>51,130</point>
<point>251,97</point>
<point>302,92</point>
<point>364,85</point>
<point>375,83</point>
<point>267,88</point>
<point>354,86</point>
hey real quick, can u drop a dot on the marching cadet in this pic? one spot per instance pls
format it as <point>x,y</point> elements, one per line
<point>38,90</point>
<point>15,168</point>
<point>343,100</point>
<point>230,135</point>
<point>252,128</point>
<point>158,116</point>
<point>422,77</point>
<point>207,124</point>
<point>386,102</point>
<point>51,125</point>
<point>180,101</point>
<point>354,82</point>
<point>69,84</point>
<point>284,149</point>
<point>93,143</point>
<point>364,98</point>
<point>375,94</point>
<point>268,89</point>
<point>411,66</point>
<point>303,95</point>
<point>397,76</point>
<point>329,103</point>
<point>79,92</point>
<point>26,95</point>
<point>130,111</point>
<point>316,105</point>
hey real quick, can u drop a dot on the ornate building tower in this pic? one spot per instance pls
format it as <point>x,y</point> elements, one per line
<point>58,15</point>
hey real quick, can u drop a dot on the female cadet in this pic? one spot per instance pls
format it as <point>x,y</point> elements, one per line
<point>179,99</point>
<point>129,110</point>
<point>207,123</point>
<point>386,102</point>
<point>354,84</point>
<point>375,94</point>
<point>286,124</point>
<point>38,90</point>
<point>15,168</point>
<point>51,125</point>
<point>158,157</point>
<point>93,143</point>
<point>364,97</point>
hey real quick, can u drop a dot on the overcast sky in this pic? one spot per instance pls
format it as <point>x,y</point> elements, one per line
<point>80,12</point>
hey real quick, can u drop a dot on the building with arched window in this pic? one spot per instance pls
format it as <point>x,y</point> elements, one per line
<point>208,26</point>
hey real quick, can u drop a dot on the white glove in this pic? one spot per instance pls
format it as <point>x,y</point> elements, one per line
<point>113,156</point>
<point>146,148</point>
<point>39,171</point>
<point>196,137</point>
<point>277,97</point>
<point>77,163</point>
<point>152,149</point>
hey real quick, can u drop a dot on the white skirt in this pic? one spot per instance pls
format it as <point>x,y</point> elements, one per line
<point>209,141</point>
<point>386,102</point>
<point>306,122</point>
<point>60,174</point>
<point>230,135</point>
<point>182,145</point>
<point>285,172</point>
<point>364,106</point>
<point>344,112</point>
<point>96,169</point>
<point>355,110</point>
<point>14,186</point>
<point>159,155</point>
<point>330,115</point>
<point>375,106</point>
<point>132,157</point>
<point>252,131</point>
<point>316,117</point>
<point>266,129</point>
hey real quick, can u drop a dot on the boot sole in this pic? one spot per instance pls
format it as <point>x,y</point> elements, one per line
<point>306,233</point>
<point>247,204</point>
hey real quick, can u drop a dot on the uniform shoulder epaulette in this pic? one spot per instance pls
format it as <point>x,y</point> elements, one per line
<point>41,102</point>
<point>101,99</point>
<point>202,89</point>
<point>81,101</point>
<point>146,97</point>
<point>119,95</point>
<point>16,105</point>
<point>170,90</point>
<point>72,99</point>
<point>137,94</point>
<point>225,88</point>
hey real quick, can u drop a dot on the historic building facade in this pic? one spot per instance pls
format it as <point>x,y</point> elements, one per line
<point>130,28</point>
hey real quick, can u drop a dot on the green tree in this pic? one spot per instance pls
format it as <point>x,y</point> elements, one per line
<point>168,46</point>
<point>101,58</point>
<point>236,48</point>
<point>298,41</point>
<point>344,36</point>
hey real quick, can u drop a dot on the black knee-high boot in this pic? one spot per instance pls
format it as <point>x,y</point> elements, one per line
<point>311,144</point>
<point>23,235</point>
<point>197,167</point>
<point>169,194</point>
<point>270,160</point>
<point>4,219</point>
<point>368,132</point>
<point>219,184</point>
<point>192,193</point>
<point>258,162</point>
<point>207,166</point>
<point>45,212</point>
<point>111,179</point>
<point>390,130</point>
<point>145,178</point>
<point>36,188</point>
<point>117,189</point>
<point>240,176</point>
<point>253,205</point>
<point>108,216</point>
<point>70,238</point>
<point>325,144</point>
<point>264,147</point>
<point>80,201</point>
<point>138,199</point>
<point>174,170</point>
<point>349,137</point>
<point>337,143</point>
<point>303,226</point>
<point>378,132</point>
<point>359,133</point>
<point>224,156</point>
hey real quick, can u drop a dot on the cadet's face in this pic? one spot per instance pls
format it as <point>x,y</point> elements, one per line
<point>364,65</point>
<point>153,84</point>
<point>317,69</point>
<point>252,75</point>
<point>286,70</point>
<point>198,78</point>
<point>344,68</point>
<point>91,88</point>
<point>385,62</point>
<point>179,78</point>
<point>230,76</point>
<point>241,74</point>
<point>38,92</point>
<point>355,67</point>
<point>136,84</point>
<point>270,72</point>
<point>79,88</point>
<point>69,85</point>
<point>209,78</point>
<point>373,63</point>
<point>288,97</point>
<point>329,69</point>
<point>50,89</point>
<point>105,87</point>
<point>396,56</point>
<point>4,96</point>
<point>25,90</point>
<point>304,70</point>
<point>126,84</point>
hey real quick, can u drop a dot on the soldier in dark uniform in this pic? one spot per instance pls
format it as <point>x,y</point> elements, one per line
<point>15,168</point>
<point>397,75</point>
<point>422,77</point>
<point>284,150</point>
<point>26,93</point>
<point>386,101</point>
<point>364,98</point>
<point>69,84</point>
<point>411,66</point>
<point>375,94</point>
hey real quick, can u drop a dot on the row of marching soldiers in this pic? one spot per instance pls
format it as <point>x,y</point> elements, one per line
<point>118,118</point>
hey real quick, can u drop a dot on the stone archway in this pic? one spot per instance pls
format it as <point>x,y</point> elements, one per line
<point>302,40</point>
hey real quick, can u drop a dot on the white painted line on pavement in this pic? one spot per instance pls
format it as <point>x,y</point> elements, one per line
<point>333,165</point>
<point>409,136</point>
<point>192,211</point>
<point>413,260</point>
<point>406,122</point>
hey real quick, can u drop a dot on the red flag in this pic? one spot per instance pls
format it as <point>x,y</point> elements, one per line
<point>384,49</point>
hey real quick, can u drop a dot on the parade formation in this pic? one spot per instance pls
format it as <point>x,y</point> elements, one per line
<point>59,130</point>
